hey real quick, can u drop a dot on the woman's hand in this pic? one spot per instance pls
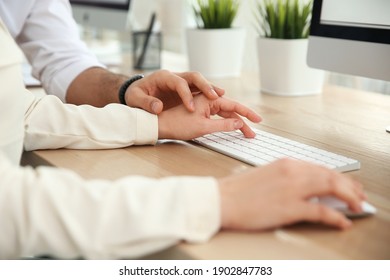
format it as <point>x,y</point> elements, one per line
<point>279,194</point>
<point>178,123</point>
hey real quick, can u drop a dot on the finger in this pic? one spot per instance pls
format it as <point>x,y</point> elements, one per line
<point>347,190</point>
<point>197,80</point>
<point>138,98</point>
<point>359,189</point>
<point>218,90</point>
<point>232,106</point>
<point>329,182</point>
<point>180,85</point>
<point>313,212</point>
<point>245,129</point>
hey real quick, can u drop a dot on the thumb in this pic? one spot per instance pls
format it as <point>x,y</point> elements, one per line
<point>139,99</point>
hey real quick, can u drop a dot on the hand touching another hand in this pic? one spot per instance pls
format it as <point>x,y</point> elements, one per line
<point>279,194</point>
<point>178,123</point>
<point>163,90</point>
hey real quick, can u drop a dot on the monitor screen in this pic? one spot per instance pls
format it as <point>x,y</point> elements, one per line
<point>112,4</point>
<point>351,37</point>
<point>108,14</point>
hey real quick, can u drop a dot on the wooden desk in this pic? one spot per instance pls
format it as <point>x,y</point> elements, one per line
<point>340,120</point>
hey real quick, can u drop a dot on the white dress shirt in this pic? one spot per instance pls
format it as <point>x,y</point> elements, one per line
<point>55,212</point>
<point>49,38</point>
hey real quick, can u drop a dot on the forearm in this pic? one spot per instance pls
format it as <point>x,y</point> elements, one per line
<point>51,124</point>
<point>95,86</point>
<point>55,212</point>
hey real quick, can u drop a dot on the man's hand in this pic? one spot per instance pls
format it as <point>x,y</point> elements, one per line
<point>163,90</point>
<point>154,93</point>
<point>178,123</point>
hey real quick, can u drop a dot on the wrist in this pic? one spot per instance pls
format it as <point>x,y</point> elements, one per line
<point>162,129</point>
<point>123,89</point>
<point>226,204</point>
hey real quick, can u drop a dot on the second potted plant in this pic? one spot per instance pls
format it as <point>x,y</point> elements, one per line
<point>215,48</point>
<point>282,48</point>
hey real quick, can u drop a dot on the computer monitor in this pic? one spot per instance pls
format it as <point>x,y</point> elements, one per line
<point>351,37</point>
<point>105,14</point>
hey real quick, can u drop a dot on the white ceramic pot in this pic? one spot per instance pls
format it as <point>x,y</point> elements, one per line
<point>216,53</point>
<point>283,68</point>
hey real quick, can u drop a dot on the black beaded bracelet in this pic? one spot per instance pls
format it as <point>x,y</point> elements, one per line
<point>124,87</point>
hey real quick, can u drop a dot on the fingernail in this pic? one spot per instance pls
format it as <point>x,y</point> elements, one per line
<point>214,92</point>
<point>155,106</point>
<point>192,105</point>
<point>238,124</point>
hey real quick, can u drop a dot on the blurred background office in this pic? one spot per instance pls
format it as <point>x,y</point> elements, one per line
<point>110,36</point>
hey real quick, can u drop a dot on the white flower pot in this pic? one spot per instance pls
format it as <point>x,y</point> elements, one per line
<point>216,53</point>
<point>283,68</point>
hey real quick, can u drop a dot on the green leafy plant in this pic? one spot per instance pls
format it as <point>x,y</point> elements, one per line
<point>213,14</point>
<point>283,19</point>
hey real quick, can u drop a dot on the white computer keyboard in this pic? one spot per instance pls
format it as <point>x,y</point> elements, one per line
<point>267,147</point>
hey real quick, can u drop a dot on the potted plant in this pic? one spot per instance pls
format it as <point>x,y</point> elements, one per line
<point>282,48</point>
<point>215,48</point>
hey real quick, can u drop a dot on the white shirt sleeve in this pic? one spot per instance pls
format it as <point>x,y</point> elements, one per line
<point>49,37</point>
<point>54,212</point>
<point>51,124</point>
